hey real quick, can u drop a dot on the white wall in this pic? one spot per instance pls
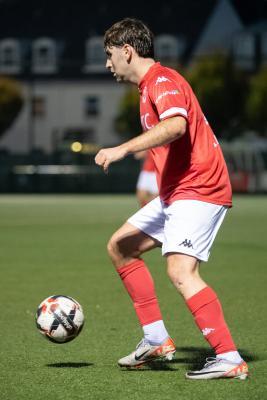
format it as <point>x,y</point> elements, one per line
<point>64,109</point>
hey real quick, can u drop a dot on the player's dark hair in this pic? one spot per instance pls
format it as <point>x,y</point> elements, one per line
<point>133,32</point>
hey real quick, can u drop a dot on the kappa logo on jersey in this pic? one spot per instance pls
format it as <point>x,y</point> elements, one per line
<point>161,79</point>
<point>186,243</point>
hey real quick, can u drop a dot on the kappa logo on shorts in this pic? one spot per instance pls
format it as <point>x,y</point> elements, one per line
<point>186,243</point>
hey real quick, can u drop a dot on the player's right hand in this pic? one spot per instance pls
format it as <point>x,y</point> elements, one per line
<point>107,156</point>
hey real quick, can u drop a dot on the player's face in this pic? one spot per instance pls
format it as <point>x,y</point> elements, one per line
<point>117,62</point>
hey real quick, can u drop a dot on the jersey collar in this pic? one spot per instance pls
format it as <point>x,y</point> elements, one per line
<point>147,74</point>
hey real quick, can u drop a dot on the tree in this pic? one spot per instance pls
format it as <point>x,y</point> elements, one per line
<point>11,102</point>
<point>256,103</point>
<point>220,89</point>
<point>127,122</point>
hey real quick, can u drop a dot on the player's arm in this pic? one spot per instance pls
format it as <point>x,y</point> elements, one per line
<point>164,132</point>
<point>140,155</point>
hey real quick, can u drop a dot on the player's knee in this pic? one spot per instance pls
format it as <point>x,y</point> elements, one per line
<point>112,248</point>
<point>118,255</point>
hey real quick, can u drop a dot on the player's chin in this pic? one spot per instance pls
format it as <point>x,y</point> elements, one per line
<point>119,78</point>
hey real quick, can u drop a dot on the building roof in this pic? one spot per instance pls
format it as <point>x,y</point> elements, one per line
<point>80,19</point>
<point>217,34</point>
<point>72,22</point>
<point>65,18</point>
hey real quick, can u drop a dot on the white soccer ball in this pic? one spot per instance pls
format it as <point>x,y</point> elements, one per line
<point>60,318</point>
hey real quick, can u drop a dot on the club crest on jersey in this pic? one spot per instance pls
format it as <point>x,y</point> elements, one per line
<point>144,95</point>
<point>161,79</point>
<point>145,122</point>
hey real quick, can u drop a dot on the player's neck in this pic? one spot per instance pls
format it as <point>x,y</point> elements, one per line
<point>141,68</point>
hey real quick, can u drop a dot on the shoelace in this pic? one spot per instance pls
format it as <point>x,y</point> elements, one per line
<point>210,361</point>
<point>142,343</point>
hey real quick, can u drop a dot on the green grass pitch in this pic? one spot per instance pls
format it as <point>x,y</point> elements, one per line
<point>57,245</point>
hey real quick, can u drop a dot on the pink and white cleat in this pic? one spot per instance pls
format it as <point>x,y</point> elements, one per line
<point>216,368</point>
<point>145,353</point>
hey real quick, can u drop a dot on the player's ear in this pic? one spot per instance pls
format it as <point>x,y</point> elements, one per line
<point>128,51</point>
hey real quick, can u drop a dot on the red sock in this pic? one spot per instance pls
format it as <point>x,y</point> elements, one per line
<point>208,315</point>
<point>140,286</point>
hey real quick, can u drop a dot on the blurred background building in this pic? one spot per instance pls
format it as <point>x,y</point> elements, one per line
<point>71,106</point>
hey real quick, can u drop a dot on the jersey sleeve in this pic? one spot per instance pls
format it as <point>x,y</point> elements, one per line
<point>168,97</point>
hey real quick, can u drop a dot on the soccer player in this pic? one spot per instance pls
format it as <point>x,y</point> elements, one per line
<point>194,196</point>
<point>146,186</point>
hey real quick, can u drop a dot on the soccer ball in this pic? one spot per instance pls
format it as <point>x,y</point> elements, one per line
<point>59,318</point>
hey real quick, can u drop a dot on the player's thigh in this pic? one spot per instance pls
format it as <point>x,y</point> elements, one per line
<point>129,241</point>
<point>142,232</point>
<point>191,227</point>
<point>150,219</point>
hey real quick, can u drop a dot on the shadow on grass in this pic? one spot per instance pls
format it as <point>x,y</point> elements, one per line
<point>194,357</point>
<point>70,365</point>
<point>153,366</point>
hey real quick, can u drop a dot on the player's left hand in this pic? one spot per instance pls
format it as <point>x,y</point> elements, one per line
<point>107,156</point>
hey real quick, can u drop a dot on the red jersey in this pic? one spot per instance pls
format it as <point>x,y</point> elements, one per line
<point>192,167</point>
<point>148,163</point>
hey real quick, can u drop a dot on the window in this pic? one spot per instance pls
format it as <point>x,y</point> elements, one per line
<point>44,56</point>
<point>95,58</point>
<point>10,56</point>
<point>38,106</point>
<point>244,50</point>
<point>91,106</point>
<point>168,47</point>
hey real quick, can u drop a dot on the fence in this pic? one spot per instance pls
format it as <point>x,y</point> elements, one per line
<point>58,174</point>
<point>77,173</point>
<point>247,165</point>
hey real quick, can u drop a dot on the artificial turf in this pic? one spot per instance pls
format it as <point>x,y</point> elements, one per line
<point>57,245</point>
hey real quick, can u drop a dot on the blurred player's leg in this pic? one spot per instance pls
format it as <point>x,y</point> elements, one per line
<point>146,187</point>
